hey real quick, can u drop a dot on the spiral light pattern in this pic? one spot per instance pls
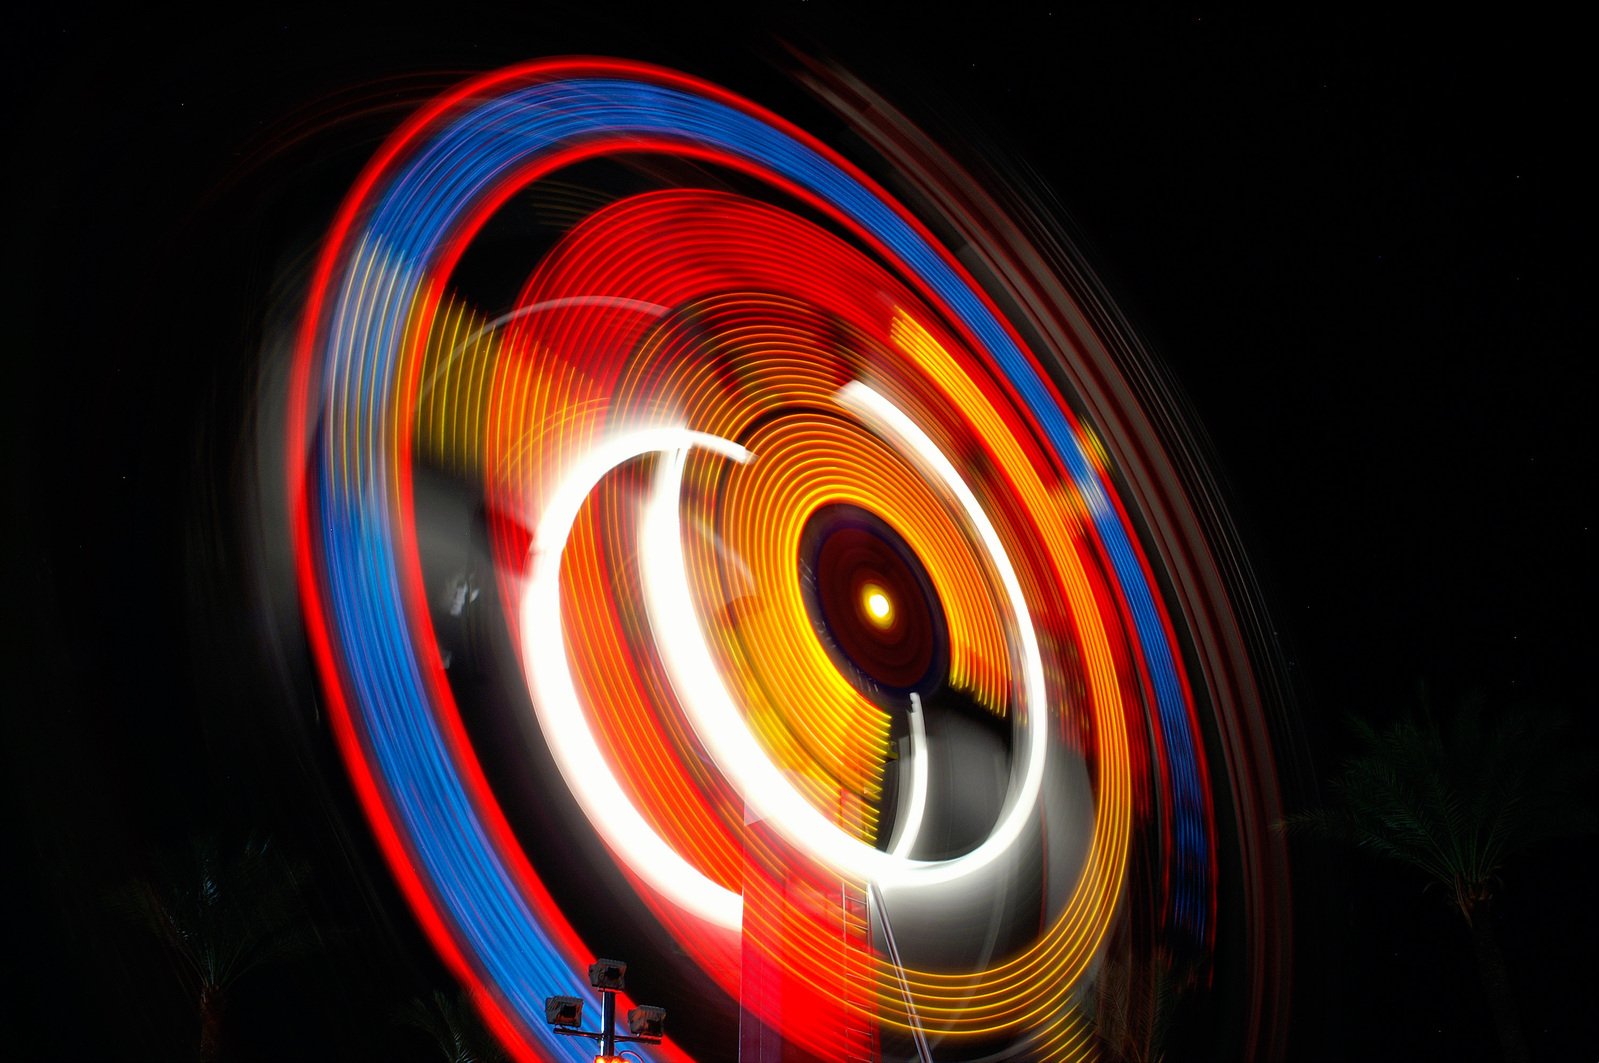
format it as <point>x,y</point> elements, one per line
<point>708,390</point>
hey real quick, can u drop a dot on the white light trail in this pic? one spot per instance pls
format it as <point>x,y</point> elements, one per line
<point>560,711</point>
<point>721,728</point>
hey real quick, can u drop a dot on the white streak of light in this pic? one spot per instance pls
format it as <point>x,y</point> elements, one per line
<point>555,699</point>
<point>721,728</point>
<point>906,830</point>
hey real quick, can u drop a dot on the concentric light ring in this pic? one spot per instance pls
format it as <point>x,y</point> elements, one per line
<point>374,303</point>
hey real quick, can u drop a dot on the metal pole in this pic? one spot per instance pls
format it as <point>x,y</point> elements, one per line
<point>923,1051</point>
<point>607,1023</point>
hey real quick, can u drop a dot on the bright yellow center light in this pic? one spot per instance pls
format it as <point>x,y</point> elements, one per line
<point>879,609</point>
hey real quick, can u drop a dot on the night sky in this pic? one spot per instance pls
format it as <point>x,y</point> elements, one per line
<point>1358,245</point>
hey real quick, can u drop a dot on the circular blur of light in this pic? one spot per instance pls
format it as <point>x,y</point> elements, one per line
<point>887,468</point>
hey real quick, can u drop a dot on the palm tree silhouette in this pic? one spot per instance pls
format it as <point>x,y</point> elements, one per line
<point>456,1028</point>
<point>1135,1000</point>
<point>225,911</point>
<point>1455,801</point>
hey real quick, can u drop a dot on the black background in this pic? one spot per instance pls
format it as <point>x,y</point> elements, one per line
<point>1359,243</point>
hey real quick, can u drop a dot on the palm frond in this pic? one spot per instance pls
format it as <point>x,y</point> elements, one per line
<point>226,910</point>
<point>1455,798</point>
<point>454,1024</point>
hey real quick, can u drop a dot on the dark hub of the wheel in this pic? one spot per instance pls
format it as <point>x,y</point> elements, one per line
<point>872,603</point>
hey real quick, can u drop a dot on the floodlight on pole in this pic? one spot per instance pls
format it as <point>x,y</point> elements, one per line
<point>646,1024</point>
<point>646,1021</point>
<point>563,1011</point>
<point>608,974</point>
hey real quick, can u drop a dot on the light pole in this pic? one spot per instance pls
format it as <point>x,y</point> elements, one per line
<point>645,1024</point>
